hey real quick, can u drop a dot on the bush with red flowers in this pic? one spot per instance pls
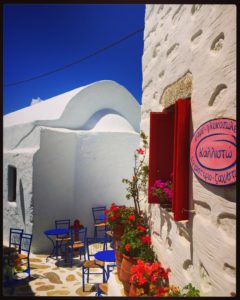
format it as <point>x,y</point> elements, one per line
<point>149,278</point>
<point>138,182</point>
<point>114,215</point>
<point>122,215</point>
<point>136,242</point>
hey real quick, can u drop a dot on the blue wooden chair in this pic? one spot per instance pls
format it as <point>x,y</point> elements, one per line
<point>92,266</point>
<point>77,242</point>
<point>102,288</point>
<point>99,225</point>
<point>64,223</point>
<point>23,256</point>
<point>15,238</point>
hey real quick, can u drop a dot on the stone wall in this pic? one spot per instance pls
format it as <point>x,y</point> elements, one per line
<point>190,50</point>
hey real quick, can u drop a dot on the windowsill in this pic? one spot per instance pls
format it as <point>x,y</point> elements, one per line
<point>12,204</point>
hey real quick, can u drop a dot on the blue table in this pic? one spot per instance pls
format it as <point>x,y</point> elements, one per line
<point>55,232</point>
<point>106,256</point>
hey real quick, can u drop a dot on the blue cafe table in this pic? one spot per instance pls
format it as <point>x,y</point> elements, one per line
<point>106,256</point>
<point>51,234</point>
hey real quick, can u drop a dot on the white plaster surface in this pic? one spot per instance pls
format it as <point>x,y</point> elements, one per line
<point>200,39</point>
<point>71,153</point>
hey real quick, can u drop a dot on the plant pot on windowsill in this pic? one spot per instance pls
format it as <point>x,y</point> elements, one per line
<point>166,204</point>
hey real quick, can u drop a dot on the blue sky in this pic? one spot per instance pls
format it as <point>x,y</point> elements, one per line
<point>38,38</point>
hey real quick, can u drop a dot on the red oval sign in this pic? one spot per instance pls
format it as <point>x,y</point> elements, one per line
<point>213,152</point>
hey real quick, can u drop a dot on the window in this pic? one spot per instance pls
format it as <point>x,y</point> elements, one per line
<point>12,183</point>
<point>169,148</point>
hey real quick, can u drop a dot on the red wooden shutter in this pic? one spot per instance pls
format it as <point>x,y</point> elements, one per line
<point>181,159</point>
<point>160,149</point>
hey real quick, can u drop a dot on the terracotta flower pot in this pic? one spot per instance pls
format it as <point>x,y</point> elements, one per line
<point>119,258</point>
<point>133,290</point>
<point>136,291</point>
<point>125,274</point>
<point>118,232</point>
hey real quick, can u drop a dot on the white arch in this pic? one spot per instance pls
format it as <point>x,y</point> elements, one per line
<point>73,109</point>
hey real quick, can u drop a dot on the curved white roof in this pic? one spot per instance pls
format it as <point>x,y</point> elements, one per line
<point>105,101</point>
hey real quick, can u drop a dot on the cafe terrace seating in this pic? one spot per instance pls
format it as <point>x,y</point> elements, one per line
<point>77,242</point>
<point>99,224</point>
<point>92,266</point>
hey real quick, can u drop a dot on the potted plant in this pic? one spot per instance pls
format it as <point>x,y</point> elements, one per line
<point>135,244</point>
<point>163,191</point>
<point>173,291</point>
<point>119,217</point>
<point>147,278</point>
<point>115,220</point>
<point>140,174</point>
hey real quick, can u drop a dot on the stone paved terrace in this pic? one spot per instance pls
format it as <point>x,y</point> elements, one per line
<point>52,278</point>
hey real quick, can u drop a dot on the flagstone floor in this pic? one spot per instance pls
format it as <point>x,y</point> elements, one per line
<point>52,278</point>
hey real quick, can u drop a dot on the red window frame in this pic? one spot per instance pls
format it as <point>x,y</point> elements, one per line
<point>169,151</point>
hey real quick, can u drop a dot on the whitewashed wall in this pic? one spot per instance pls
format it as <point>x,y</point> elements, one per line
<point>71,153</point>
<point>199,40</point>
<point>84,170</point>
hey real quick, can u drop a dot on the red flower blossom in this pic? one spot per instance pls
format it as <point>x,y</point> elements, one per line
<point>131,217</point>
<point>127,247</point>
<point>161,292</point>
<point>141,228</point>
<point>140,151</point>
<point>146,239</point>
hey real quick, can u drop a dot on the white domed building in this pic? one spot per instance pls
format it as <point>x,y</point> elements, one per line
<point>67,154</point>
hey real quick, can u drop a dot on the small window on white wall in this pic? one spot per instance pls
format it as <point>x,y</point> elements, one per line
<point>12,183</point>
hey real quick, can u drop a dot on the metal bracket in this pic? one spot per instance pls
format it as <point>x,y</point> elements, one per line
<point>189,210</point>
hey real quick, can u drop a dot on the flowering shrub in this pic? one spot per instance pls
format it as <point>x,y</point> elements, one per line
<point>140,173</point>
<point>137,243</point>
<point>114,215</point>
<point>149,278</point>
<point>173,291</point>
<point>162,190</point>
<point>131,218</point>
<point>122,215</point>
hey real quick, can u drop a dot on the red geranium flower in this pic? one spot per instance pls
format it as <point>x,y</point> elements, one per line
<point>140,151</point>
<point>141,228</point>
<point>127,247</point>
<point>146,239</point>
<point>131,217</point>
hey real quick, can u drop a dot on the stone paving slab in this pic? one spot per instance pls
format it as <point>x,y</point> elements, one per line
<point>52,278</point>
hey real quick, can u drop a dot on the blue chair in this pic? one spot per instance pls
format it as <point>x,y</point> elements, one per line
<point>24,254</point>
<point>99,224</point>
<point>77,242</point>
<point>65,223</point>
<point>15,238</point>
<point>102,288</point>
<point>92,266</point>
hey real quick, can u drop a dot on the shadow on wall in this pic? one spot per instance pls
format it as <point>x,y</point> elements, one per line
<point>226,192</point>
<point>22,202</point>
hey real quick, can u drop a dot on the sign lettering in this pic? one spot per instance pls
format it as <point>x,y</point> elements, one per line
<point>213,152</point>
